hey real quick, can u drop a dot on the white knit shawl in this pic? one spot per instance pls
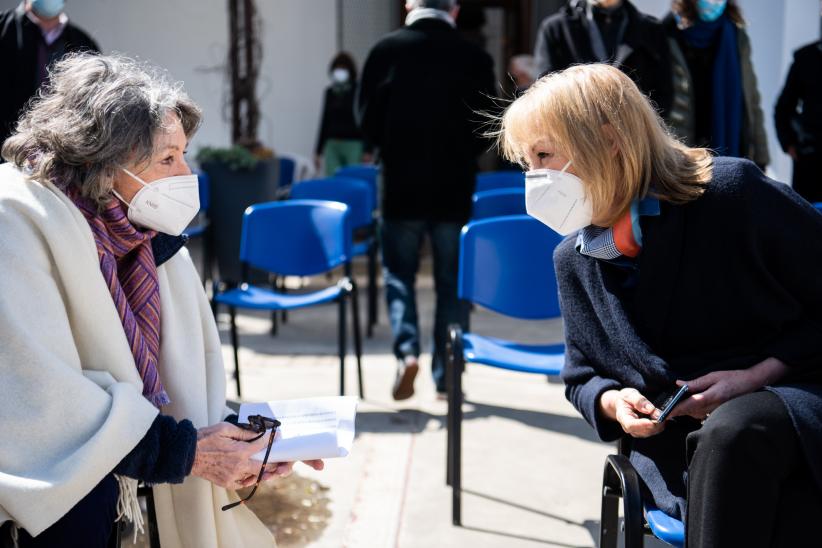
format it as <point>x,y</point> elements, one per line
<point>71,405</point>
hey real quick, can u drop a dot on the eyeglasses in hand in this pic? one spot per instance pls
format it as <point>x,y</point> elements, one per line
<point>259,424</point>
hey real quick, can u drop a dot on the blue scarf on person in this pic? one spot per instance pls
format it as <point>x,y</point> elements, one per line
<point>727,81</point>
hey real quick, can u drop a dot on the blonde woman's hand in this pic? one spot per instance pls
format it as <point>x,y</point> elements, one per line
<point>633,411</point>
<point>284,469</point>
<point>712,390</point>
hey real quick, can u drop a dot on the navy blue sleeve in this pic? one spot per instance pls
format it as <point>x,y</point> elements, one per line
<point>584,384</point>
<point>164,455</point>
<point>583,388</point>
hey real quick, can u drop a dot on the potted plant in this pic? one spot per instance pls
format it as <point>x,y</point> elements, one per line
<point>239,177</point>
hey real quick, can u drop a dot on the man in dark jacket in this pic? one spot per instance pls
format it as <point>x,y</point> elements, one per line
<point>421,92</point>
<point>32,37</point>
<point>608,31</point>
<point>798,118</point>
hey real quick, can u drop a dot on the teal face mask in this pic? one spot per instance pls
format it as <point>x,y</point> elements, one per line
<point>48,8</point>
<point>710,10</point>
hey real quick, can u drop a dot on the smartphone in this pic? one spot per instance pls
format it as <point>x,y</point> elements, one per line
<point>669,401</point>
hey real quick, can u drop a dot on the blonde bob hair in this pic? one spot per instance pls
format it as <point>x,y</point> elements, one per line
<point>595,116</point>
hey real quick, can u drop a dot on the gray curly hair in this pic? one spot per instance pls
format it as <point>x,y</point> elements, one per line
<point>97,113</point>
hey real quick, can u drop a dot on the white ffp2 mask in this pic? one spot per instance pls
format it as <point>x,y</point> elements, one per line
<point>166,205</point>
<point>557,198</point>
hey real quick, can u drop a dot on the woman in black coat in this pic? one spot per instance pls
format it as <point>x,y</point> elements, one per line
<point>682,268</point>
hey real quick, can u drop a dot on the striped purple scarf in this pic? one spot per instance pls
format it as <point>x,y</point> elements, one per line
<point>127,263</point>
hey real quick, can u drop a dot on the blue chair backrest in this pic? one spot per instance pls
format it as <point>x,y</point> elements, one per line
<point>366,172</point>
<point>498,202</point>
<point>204,187</point>
<point>506,265</point>
<point>499,179</point>
<point>296,237</point>
<point>355,193</point>
<point>287,167</point>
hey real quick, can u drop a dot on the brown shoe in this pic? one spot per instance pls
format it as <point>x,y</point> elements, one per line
<point>404,383</point>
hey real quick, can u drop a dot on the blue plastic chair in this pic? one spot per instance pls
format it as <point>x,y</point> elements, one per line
<point>296,238</point>
<point>498,202</point>
<point>287,167</point>
<point>505,265</point>
<point>360,198</point>
<point>491,180</point>
<point>201,224</point>
<point>620,480</point>
<point>370,174</point>
<point>366,172</point>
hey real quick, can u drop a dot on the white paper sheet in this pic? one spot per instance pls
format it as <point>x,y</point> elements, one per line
<point>312,428</point>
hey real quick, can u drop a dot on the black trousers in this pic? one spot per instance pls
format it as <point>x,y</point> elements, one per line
<point>89,524</point>
<point>748,481</point>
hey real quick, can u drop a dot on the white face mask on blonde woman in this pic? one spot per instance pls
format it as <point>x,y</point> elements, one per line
<point>557,198</point>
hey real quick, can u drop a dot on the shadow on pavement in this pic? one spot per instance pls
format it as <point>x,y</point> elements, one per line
<point>415,420</point>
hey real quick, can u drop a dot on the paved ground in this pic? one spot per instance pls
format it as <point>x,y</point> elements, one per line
<point>532,467</point>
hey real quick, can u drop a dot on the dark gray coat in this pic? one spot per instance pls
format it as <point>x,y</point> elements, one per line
<point>722,283</point>
<point>681,118</point>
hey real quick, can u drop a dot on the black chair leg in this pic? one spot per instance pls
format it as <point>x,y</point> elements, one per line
<point>341,343</point>
<point>151,526</point>
<point>274,320</point>
<point>206,257</point>
<point>215,288</point>
<point>609,513</point>
<point>283,289</point>
<point>455,400</point>
<point>372,289</point>
<point>355,319</point>
<point>449,421</point>
<point>235,344</point>
<point>620,478</point>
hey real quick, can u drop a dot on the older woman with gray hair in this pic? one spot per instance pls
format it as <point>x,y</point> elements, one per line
<point>110,362</point>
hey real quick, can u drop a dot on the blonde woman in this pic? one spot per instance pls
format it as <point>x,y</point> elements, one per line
<point>681,268</point>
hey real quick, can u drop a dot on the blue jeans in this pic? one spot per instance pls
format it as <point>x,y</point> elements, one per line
<point>401,242</point>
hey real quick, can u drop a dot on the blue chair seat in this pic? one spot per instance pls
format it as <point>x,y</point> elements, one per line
<point>540,359</point>
<point>260,298</point>
<point>664,527</point>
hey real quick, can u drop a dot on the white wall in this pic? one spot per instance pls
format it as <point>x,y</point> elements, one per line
<point>189,38</point>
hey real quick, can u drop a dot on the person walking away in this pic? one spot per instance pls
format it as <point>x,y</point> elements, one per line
<point>421,90</point>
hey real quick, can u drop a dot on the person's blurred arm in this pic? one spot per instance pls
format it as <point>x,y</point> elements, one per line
<point>369,105</point>
<point>785,112</point>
